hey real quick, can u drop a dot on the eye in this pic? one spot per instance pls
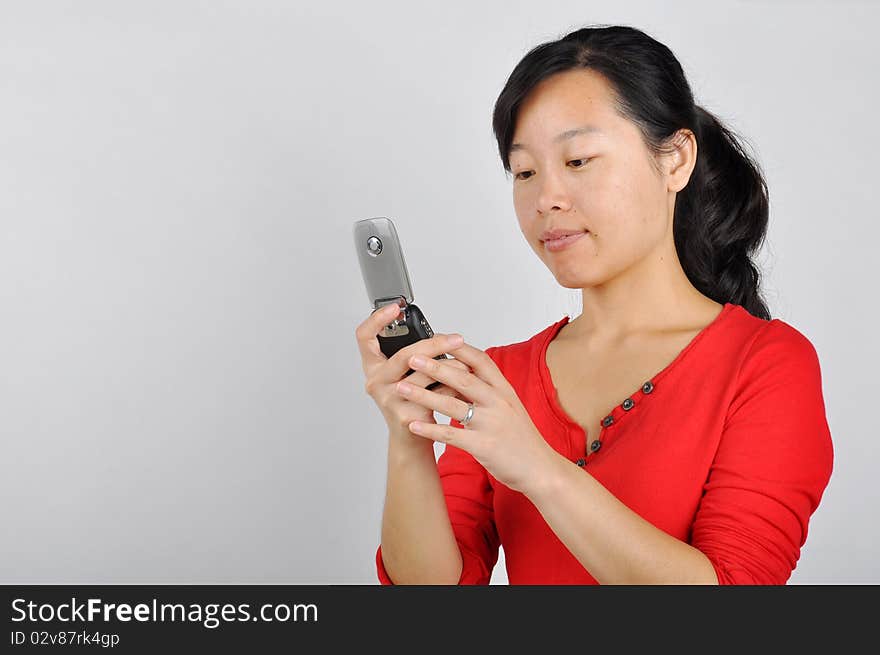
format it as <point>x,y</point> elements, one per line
<point>583,162</point>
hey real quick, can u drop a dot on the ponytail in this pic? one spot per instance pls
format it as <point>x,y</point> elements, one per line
<point>721,218</point>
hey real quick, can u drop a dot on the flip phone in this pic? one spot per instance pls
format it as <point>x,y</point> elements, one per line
<point>387,281</point>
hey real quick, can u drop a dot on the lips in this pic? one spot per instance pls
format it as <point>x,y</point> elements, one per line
<point>554,245</point>
<point>553,235</point>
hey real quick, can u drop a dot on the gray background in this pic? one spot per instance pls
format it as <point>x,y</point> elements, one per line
<point>181,394</point>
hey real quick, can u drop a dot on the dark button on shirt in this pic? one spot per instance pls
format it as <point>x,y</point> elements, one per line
<point>581,461</point>
<point>648,387</point>
<point>628,404</point>
<point>596,445</point>
<point>608,420</point>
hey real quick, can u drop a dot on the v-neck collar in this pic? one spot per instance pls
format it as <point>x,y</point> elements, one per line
<point>614,414</point>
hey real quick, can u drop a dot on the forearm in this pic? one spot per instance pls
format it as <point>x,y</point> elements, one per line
<point>418,543</point>
<point>616,545</point>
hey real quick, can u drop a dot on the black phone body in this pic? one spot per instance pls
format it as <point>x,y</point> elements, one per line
<point>386,278</point>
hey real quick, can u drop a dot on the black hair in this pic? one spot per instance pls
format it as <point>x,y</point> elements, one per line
<point>721,214</point>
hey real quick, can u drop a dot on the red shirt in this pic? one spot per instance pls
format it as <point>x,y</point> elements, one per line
<point>727,449</point>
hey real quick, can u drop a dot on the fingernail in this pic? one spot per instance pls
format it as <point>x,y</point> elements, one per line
<point>418,361</point>
<point>455,340</point>
<point>404,387</point>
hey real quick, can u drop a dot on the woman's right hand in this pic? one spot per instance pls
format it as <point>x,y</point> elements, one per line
<point>383,373</point>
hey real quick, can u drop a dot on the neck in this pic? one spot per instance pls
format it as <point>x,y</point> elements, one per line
<point>652,296</point>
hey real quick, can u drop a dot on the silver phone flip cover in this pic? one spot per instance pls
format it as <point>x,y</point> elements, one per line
<point>383,267</point>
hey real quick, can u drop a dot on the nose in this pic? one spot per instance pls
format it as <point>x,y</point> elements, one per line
<point>552,194</point>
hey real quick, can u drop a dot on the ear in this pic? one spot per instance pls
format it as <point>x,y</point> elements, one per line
<point>681,159</point>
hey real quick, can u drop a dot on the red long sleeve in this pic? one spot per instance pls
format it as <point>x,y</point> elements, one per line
<point>772,465</point>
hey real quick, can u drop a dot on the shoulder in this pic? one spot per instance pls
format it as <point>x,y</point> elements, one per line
<point>743,346</point>
<point>779,378</point>
<point>780,350</point>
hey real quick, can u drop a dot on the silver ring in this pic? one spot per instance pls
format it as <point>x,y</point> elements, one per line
<point>470,414</point>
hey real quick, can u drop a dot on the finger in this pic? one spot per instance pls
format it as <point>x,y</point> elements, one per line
<point>442,403</point>
<point>483,367</point>
<point>425,382</point>
<point>442,388</point>
<point>366,332</point>
<point>398,363</point>
<point>443,434</point>
<point>468,384</point>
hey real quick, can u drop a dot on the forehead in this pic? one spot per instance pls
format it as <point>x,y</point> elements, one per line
<point>562,101</point>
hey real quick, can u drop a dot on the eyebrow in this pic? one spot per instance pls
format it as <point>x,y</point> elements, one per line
<point>562,136</point>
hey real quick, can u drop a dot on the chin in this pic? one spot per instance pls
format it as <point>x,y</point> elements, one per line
<point>572,280</point>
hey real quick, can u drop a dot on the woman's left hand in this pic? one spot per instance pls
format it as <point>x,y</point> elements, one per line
<point>501,435</point>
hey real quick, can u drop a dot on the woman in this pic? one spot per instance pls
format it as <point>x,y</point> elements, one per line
<point>673,433</point>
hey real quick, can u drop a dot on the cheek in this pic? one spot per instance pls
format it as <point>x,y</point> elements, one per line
<point>643,190</point>
<point>628,205</point>
<point>525,216</point>
<point>520,198</point>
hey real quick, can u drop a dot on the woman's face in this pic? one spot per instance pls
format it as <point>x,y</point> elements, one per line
<point>602,181</point>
